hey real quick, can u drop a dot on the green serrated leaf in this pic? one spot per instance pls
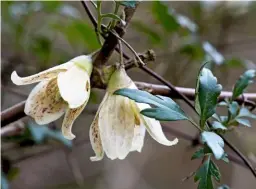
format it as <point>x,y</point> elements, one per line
<point>203,175</point>
<point>164,16</point>
<point>243,82</point>
<point>214,171</point>
<point>244,122</point>
<point>166,109</point>
<point>218,125</point>
<point>163,114</point>
<point>214,142</point>
<point>208,92</point>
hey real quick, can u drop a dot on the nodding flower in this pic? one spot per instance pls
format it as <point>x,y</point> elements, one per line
<point>118,126</point>
<point>61,89</point>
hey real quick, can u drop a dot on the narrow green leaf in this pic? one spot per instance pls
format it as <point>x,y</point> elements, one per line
<point>244,122</point>
<point>164,17</point>
<point>167,108</point>
<point>215,143</point>
<point>208,92</point>
<point>218,125</point>
<point>243,82</point>
<point>163,114</point>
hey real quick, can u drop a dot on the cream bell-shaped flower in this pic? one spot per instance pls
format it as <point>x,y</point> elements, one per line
<point>118,126</point>
<point>62,89</point>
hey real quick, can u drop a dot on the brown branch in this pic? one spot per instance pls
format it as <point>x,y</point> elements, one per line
<point>249,99</point>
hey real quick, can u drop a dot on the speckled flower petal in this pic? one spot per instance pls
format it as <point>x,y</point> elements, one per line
<point>116,125</point>
<point>69,119</point>
<point>74,86</point>
<point>44,75</point>
<point>96,140</point>
<point>44,103</point>
<point>94,134</point>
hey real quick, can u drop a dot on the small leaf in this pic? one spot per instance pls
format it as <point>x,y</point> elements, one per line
<point>244,112</point>
<point>233,108</point>
<point>218,125</point>
<point>208,92</point>
<point>244,122</point>
<point>203,175</point>
<point>215,143</point>
<point>163,114</point>
<point>129,3</point>
<point>243,82</point>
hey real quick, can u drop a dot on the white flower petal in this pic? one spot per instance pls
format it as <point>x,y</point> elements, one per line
<point>154,128</point>
<point>95,135</point>
<point>69,118</point>
<point>83,61</point>
<point>139,129</point>
<point>44,75</point>
<point>138,139</point>
<point>44,103</point>
<point>96,140</point>
<point>116,124</point>
<point>74,86</point>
